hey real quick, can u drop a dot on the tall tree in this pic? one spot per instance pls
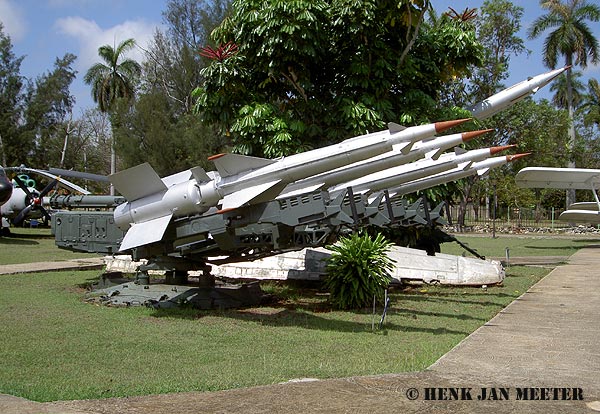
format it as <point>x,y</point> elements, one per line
<point>114,78</point>
<point>292,75</point>
<point>12,151</point>
<point>497,26</point>
<point>560,99</point>
<point>113,81</point>
<point>572,38</point>
<point>160,127</point>
<point>591,104</point>
<point>48,110</point>
<point>173,64</point>
<point>152,132</point>
<point>526,125</point>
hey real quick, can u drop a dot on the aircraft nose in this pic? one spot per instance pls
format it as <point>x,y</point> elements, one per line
<point>5,190</point>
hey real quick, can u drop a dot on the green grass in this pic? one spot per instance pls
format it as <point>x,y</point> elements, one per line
<point>544,245</point>
<point>27,245</point>
<point>54,346</point>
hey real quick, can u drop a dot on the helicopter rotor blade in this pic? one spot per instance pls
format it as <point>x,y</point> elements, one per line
<point>22,215</point>
<point>24,187</point>
<point>48,188</point>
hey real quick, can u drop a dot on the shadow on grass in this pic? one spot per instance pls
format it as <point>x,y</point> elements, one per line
<point>16,235</point>
<point>17,241</point>
<point>447,298</point>
<point>300,318</point>
<point>461,316</point>
<point>565,247</point>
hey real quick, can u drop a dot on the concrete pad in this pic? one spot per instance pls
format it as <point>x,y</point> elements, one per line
<point>10,404</point>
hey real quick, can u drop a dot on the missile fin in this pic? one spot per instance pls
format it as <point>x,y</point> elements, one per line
<point>177,178</point>
<point>200,174</point>
<point>137,182</point>
<point>394,127</point>
<point>435,155</point>
<point>145,232</point>
<point>459,150</point>
<point>375,199</point>
<point>239,198</point>
<point>483,171</point>
<point>231,164</point>
<point>404,148</point>
<point>362,191</point>
<point>465,165</point>
<point>303,190</point>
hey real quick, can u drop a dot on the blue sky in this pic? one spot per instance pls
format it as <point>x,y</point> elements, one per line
<point>43,30</point>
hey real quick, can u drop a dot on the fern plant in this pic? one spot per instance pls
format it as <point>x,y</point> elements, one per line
<point>358,269</point>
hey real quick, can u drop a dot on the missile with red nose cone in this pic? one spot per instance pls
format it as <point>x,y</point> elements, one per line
<point>394,177</point>
<point>240,180</point>
<point>479,168</point>
<point>513,94</point>
<point>432,148</point>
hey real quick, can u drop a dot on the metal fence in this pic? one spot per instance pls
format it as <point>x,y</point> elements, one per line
<point>518,217</point>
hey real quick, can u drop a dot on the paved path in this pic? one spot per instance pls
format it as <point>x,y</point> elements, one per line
<point>79,264</point>
<point>549,337</point>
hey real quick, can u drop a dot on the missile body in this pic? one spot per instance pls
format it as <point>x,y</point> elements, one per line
<point>513,94</point>
<point>280,173</point>
<point>239,180</point>
<point>397,176</point>
<point>432,148</point>
<point>480,168</point>
<point>481,110</point>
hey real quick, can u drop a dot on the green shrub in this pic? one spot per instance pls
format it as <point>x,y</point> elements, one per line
<point>358,269</point>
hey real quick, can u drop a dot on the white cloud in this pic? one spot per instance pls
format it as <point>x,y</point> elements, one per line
<point>12,20</point>
<point>90,37</point>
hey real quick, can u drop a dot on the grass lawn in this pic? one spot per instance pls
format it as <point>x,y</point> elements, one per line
<point>27,245</point>
<point>534,245</point>
<point>54,346</point>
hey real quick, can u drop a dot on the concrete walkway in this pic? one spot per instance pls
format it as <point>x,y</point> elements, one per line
<point>549,337</point>
<point>77,264</point>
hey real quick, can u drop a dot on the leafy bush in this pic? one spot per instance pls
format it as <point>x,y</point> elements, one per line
<point>358,269</point>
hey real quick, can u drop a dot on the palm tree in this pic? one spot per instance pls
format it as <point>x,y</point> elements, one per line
<point>559,87</point>
<point>591,104</point>
<point>113,81</point>
<point>571,37</point>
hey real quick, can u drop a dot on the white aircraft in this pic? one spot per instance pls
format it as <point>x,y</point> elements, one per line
<point>566,178</point>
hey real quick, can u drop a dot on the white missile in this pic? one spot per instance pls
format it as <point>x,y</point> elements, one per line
<point>240,180</point>
<point>432,149</point>
<point>513,94</point>
<point>481,110</point>
<point>394,177</point>
<point>479,168</point>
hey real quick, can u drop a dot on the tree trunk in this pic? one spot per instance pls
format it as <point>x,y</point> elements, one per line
<point>571,192</point>
<point>462,207</point>
<point>3,153</point>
